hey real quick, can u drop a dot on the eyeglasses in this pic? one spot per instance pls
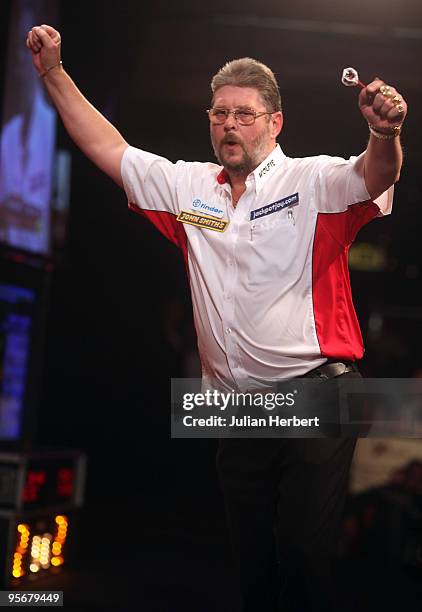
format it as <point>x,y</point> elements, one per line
<point>218,116</point>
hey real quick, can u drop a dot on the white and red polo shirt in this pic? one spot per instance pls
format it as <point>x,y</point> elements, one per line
<point>271,293</point>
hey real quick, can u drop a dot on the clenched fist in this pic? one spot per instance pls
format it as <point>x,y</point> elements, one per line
<point>382,106</point>
<point>44,42</point>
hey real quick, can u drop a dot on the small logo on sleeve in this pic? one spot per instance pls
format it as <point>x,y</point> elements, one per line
<point>207,209</point>
<point>274,207</point>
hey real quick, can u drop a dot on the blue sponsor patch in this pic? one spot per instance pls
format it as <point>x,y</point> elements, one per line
<point>269,209</point>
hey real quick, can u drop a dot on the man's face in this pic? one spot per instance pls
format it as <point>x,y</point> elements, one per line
<point>241,148</point>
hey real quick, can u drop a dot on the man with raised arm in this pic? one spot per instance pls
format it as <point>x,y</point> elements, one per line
<point>265,239</point>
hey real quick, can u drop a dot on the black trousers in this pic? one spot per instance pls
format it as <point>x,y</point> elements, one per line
<point>284,502</point>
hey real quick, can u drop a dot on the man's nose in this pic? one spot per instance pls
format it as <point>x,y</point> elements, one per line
<point>230,122</point>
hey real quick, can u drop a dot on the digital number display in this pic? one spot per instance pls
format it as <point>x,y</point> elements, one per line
<point>49,483</point>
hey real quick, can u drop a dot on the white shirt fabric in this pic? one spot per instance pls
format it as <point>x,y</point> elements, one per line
<point>253,286</point>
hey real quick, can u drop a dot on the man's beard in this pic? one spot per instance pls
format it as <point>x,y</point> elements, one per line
<point>249,160</point>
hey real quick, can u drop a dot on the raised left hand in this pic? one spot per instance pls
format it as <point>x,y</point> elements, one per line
<point>382,106</point>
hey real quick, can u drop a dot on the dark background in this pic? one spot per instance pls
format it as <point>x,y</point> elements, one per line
<point>119,322</point>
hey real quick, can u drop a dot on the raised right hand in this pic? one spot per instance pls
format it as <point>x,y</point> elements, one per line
<point>44,43</point>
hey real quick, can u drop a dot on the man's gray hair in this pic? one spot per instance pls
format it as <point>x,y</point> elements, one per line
<point>248,72</point>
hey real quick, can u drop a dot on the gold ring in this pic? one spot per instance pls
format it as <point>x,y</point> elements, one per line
<point>396,100</point>
<point>386,91</point>
<point>399,108</point>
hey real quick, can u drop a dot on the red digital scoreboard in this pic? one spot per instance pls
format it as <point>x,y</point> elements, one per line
<point>40,494</point>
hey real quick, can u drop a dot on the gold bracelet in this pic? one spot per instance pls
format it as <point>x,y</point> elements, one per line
<point>382,135</point>
<point>42,74</point>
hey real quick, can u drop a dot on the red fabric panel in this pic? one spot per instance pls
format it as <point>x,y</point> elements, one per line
<point>337,326</point>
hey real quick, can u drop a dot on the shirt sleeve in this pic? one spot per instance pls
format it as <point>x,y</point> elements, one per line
<point>150,181</point>
<point>340,183</point>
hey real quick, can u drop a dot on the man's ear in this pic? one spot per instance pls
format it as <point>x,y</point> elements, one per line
<point>277,123</point>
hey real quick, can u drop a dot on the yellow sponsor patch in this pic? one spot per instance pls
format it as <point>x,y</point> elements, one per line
<point>218,225</point>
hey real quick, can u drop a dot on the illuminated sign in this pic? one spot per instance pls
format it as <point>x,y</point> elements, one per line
<point>35,551</point>
<point>51,484</point>
<point>367,257</point>
<point>53,479</point>
<point>40,496</point>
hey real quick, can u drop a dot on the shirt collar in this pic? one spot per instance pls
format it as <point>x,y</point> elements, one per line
<point>262,173</point>
<point>268,167</point>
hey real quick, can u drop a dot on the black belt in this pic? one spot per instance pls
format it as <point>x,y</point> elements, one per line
<point>331,370</point>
